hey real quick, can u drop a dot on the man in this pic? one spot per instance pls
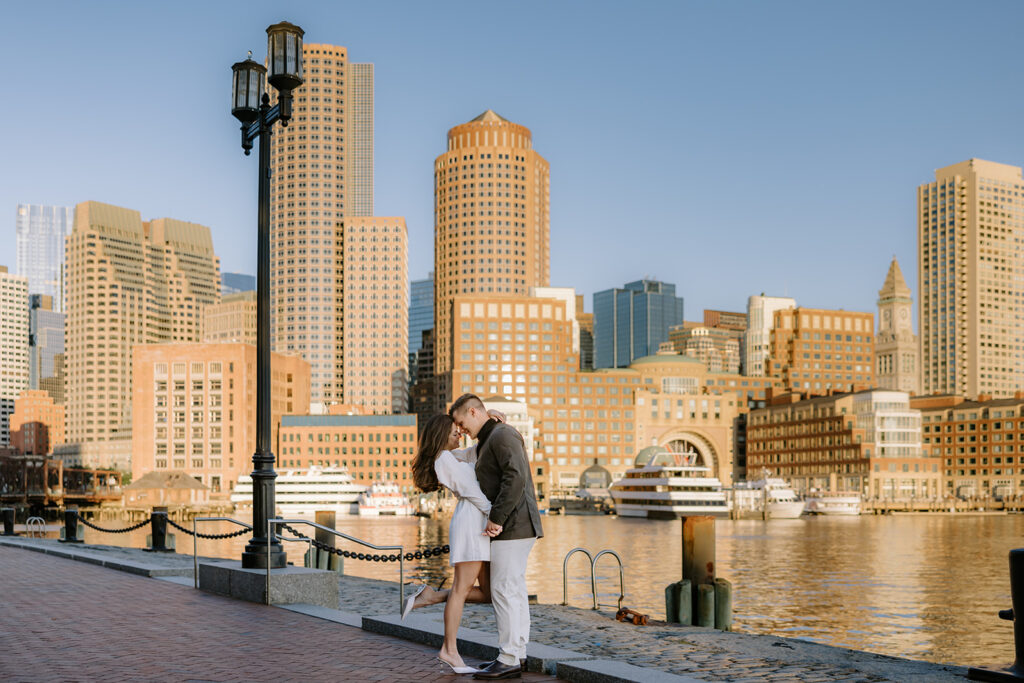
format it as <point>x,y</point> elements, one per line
<point>513,525</point>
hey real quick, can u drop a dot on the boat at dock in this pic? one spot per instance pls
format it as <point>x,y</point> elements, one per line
<point>846,503</point>
<point>766,498</point>
<point>667,485</point>
<point>306,492</point>
<point>384,498</point>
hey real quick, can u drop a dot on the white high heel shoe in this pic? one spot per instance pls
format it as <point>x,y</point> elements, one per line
<point>410,601</point>
<point>459,669</point>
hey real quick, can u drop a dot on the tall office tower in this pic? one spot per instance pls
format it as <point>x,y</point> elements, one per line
<point>633,321</point>
<point>322,172</point>
<point>816,351</point>
<point>236,283</point>
<point>127,282</point>
<point>45,340</point>
<point>491,223</point>
<point>41,231</point>
<point>421,310</point>
<point>586,323</point>
<point>13,346</point>
<point>231,320</point>
<point>760,316</point>
<point>969,228</point>
<point>896,350</point>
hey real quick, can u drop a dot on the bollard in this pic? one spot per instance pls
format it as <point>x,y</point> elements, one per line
<point>71,525</point>
<point>704,615</point>
<point>158,535</point>
<point>723,605</point>
<point>698,552</point>
<point>1015,672</point>
<point>678,603</point>
<point>323,558</point>
<point>8,517</point>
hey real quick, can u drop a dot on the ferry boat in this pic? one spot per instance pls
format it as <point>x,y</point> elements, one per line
<point>677,488</point>
<point>766,498</point>
<point>305,492</point>
<point>384,498</point>
<point>834,503</point>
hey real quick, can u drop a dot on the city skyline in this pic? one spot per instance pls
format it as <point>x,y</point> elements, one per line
<point>841,122</point>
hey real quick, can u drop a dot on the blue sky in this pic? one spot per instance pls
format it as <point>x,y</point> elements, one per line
<point>728,147</point>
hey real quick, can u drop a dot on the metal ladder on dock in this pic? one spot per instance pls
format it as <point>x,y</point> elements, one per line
<point>593,574</point>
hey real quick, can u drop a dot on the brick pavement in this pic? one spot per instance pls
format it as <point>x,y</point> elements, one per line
<point>68,621</point>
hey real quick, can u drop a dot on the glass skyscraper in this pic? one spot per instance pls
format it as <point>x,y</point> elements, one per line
<point>633,321</point>
<point>40,244</point>
<point>421,310</point>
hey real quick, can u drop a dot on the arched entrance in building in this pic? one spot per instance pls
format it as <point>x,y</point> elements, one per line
<point>692,449</point>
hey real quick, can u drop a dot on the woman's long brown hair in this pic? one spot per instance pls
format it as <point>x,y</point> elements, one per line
<point>433,441</point>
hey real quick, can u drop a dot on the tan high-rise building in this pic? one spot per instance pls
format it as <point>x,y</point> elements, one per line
<point>491,222</point>
<point>127,282</point>
<point>896,344</point>
<point>817,351</point>
<point>970,255</point>
<point>194,408</point>
<point>14,348</point>
<point>322,172</point>
<point>231,320</point>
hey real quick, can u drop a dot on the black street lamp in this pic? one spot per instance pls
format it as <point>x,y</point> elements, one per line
<point>250,104</point>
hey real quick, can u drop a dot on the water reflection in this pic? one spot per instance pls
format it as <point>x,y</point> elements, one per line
<point>925,587</point>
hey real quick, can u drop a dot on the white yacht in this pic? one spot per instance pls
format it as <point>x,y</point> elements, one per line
<point>833,503</point>
<point>667,485</point>
<point>384,498</point>
<point>766,498</point>
<point>305,492</point>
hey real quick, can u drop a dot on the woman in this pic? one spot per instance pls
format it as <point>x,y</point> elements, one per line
<point>436,465</point>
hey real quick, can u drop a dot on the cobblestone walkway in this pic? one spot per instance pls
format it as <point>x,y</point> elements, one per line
<point>70,621</point>
<point>698,653</point>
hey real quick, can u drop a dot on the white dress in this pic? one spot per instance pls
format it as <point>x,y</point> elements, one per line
<point>457,473</point>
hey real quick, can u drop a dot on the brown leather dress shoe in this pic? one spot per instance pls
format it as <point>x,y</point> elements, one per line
<point>496,671</point>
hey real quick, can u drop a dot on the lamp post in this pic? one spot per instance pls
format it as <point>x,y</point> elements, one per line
<point>251,105</point>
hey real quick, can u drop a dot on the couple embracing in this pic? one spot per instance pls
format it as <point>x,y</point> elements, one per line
<point>493,528</point>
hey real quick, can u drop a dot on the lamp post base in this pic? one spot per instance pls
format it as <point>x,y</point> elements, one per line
<point>255,556</point>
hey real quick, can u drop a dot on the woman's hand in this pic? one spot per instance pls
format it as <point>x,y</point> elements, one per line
<point>497,415</point>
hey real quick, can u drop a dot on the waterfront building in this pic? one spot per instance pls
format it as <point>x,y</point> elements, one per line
<point>45,342</point>
<point>127,282</point>
<point>980,444</point>
<point>41,232</point>
<point>633,321</point>
<point>896,349</point>
<point>868,441</point>
<point>586,324</point>
<point>194,408</point>
<point>717,347</point>
<point>760,318</point>
<point>517,415</point>
<point>970,220</point>
<point>37,424</point>
<point>236,283</point>
<point>14,350</point>
<point>371,447</point>
<point>492,222</point>
<point>819,351</point>
<point>233,319</point>
<point>322,173</point>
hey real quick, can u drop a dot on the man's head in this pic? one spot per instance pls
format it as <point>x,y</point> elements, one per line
<point>469,414</point>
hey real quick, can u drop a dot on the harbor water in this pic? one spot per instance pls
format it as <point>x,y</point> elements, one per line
<point>919,586</point>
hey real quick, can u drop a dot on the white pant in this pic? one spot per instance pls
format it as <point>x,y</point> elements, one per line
<point>508,593</point>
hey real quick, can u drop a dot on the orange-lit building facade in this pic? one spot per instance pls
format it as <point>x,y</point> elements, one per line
<point>818,351</point>
<point>37,424</point>
<point>371,447</point>
<point>194,408</point>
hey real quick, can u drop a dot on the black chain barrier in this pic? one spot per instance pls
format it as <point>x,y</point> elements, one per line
<point>230,534</point>
<point>89,524</point>
<point>418,555</point>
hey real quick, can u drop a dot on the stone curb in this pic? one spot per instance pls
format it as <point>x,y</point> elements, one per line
<point>610,671</point>
<point>94,557</point>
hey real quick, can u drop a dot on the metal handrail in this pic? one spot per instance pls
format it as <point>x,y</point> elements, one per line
<point>622,585</point>
<point>401,551</point>
<point>195,540</point>
<point>565,580</point>
<point>35,525</point>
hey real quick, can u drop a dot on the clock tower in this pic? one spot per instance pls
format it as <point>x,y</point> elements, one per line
<point>896,353</point>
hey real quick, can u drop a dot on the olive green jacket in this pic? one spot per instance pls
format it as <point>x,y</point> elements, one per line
<point>504,475</point>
